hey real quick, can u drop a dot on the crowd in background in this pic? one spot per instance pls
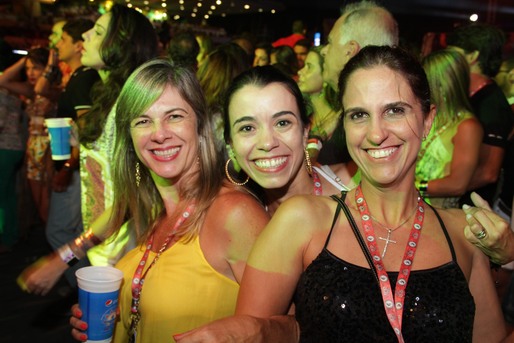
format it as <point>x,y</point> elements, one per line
<point>211,139</point>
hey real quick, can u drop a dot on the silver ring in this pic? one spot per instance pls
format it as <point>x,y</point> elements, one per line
<point>481,234</point>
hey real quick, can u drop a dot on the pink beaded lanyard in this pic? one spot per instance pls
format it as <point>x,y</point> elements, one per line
<point>318,190</point>
<point>139,275</point>
<point>392,306</point>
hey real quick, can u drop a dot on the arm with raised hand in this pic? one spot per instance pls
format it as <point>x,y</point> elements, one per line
<point>488,231</point>
<point>9,80</point>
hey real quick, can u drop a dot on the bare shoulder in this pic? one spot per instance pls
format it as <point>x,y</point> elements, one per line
<point>303,211</point>
<point>236,208</point>
<point>294,226</point>
<point>470,125</point>
<point>234,200</point>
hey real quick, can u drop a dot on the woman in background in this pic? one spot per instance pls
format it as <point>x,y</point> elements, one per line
<point>38,108</point>
<point>323,103</point>
<point>449,154</point>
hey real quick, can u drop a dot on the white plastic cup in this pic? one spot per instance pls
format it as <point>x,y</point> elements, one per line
<point>59,132</point>
<point>98,300</point>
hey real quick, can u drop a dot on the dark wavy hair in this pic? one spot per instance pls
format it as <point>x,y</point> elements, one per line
<point>129,42</point>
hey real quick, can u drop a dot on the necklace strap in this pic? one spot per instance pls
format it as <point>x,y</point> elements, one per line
<point>393,305</point>
<point>318,189</point>
<point>140,274</point>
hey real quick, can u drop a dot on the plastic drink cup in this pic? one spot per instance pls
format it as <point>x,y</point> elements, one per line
<point>98,300</point>
<point>59,132</point>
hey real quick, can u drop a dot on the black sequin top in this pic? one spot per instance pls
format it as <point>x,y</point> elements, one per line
<point>337,301</point>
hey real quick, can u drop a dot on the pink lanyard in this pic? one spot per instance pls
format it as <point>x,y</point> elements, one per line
<point>139,275</point>
<point>318,190</point>
<point>392,306</point>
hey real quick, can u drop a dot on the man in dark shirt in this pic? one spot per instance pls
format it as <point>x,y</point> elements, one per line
<point>481,45</point>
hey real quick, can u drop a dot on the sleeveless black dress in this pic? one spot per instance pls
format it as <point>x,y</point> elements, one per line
<point>337,301</point>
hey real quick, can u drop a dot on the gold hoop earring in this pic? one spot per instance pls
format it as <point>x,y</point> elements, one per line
<point>230,177</point>
<point>308,162</point>
<point>138,174</point>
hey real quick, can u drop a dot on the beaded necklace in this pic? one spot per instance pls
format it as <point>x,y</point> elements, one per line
<point>140,273</point>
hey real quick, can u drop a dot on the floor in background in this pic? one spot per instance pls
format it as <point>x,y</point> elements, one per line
<point>26,318</point>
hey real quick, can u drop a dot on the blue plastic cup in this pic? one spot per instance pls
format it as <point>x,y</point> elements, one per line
<point>98,300</point>
<point>59,131</point>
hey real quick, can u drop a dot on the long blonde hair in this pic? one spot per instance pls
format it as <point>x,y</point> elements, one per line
<point>448,76</point>
<point>144,203</point>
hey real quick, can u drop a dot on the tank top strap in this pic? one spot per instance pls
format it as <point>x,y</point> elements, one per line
<point>445,231</point>
<point>342,205</point>
<point>336,215</point>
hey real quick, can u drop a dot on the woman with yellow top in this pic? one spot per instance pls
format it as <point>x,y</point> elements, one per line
<point>195,231</point>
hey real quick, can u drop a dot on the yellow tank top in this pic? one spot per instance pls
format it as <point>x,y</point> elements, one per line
<point>181,292</point>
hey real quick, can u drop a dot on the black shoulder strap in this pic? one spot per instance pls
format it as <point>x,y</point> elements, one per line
<point>445,231</point>
<point>353,225</point>
<point>336,215</point>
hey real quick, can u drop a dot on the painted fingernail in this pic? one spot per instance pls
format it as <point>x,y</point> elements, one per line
<point>469,216</point>
<point>83,326</point>
<point>466,207</point>
<point>83,337</point>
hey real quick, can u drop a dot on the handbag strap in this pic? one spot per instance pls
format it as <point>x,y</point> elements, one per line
<point>356,232</point>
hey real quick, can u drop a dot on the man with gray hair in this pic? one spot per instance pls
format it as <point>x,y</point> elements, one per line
<point>361,24</point>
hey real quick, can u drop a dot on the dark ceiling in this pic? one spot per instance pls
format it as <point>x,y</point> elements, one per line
<point>270,19</point>
<point>414,16</point>
<point>422,12</point>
